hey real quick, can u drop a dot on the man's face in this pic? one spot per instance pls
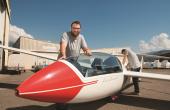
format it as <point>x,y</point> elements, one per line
<point>125,53</point>
<point>75,29</point>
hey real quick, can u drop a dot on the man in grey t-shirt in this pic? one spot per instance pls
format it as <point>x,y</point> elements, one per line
<point>70,45</point>
<point>72,42</point>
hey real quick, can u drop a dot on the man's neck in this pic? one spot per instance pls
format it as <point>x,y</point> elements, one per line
<point>73,36</point>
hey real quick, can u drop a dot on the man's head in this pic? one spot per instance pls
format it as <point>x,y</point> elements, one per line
<point>75,28</point>
<point>124,52</point>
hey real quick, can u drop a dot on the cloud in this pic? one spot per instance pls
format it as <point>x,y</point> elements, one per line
<point>158,42</point>
<point>15,33</point>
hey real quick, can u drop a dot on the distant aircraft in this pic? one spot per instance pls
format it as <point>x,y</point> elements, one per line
<point>87,79</point>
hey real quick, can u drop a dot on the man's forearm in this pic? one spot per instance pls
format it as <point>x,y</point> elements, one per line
<point>87,51</point>
<point>124,59</point>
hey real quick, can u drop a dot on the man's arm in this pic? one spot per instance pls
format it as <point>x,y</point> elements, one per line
<point>62,53</point>
<point>63,45</point>
<point>124,59</point>
<point>87,51</point>
<point>85,48</point>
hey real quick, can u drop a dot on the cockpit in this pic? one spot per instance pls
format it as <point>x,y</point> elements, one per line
<point>97,64</point>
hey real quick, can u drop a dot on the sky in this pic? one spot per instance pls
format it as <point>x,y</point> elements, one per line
<point>143,25</point>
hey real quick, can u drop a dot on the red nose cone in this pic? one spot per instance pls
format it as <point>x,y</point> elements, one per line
<point>56,83</point>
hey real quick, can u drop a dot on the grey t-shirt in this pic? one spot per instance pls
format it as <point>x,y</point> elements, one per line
<point>73,44</point>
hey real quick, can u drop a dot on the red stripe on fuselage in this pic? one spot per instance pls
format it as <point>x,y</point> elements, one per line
<point>65,93</point>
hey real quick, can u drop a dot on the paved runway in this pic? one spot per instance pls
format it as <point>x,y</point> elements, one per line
<point>155,95</point>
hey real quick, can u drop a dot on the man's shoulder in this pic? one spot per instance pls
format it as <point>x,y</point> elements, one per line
<point>131,51</point>
<point>66,33</point>
<point>81,36</point>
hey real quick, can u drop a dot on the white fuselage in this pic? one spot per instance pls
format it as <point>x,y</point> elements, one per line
<point>106,85</point>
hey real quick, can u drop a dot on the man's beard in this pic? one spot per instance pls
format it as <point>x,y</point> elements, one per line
<point>75,34</point>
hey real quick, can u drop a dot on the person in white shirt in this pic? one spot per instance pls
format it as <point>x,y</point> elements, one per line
<point>134,65</point>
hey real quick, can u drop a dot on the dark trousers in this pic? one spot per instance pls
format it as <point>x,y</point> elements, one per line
<point>136,80</point>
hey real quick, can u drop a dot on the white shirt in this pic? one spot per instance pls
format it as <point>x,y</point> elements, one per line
<point>133,59</point>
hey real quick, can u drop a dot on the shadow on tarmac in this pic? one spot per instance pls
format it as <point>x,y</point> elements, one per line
<point>142,102</point>
<point>136,101</point>
<point>8,86</point>
<point>80,106</point>
<point>34,107</point>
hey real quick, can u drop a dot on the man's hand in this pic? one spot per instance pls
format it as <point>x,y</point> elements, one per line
<point>61,56</point>
<point>88,52</point>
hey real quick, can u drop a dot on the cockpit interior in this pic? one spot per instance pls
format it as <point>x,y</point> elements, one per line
<point>97,64</point>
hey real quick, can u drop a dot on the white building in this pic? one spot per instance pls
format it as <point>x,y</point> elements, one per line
<point>4,31</point>
<point>156,64</point>
<point>33,45</point>
<point>165,64</point>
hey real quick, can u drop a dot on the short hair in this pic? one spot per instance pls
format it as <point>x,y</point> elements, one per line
<point>76,22</point>
<point>123,50</point>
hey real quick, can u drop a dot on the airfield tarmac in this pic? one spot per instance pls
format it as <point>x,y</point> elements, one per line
<point>155,95</point>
